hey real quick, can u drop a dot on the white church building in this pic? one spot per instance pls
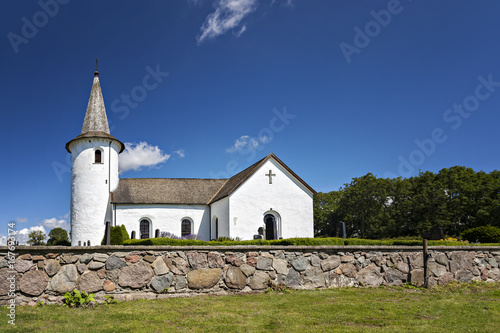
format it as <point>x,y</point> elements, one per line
<point>267,194</point>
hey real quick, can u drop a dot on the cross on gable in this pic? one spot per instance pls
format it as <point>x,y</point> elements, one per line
<point>270,175</point>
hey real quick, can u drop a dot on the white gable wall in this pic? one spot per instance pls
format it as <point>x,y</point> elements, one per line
<point>164,217</point>
<point>255,197</point>
<point>220,210</point>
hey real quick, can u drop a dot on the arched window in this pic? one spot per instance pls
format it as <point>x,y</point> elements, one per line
<point>144,229</point>
<point>186,228</point>
<point>98,156</point>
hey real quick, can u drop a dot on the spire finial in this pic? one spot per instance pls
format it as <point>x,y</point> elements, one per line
<point>96,73</point>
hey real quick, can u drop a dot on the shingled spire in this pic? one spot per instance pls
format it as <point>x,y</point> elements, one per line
<point>95,117</point>
<point>95,124</point>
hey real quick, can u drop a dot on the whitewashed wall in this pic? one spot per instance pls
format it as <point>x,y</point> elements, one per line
<point>220,210</point>
<point>90,186</point>
<point>286,196</point>
<point>164,217</point>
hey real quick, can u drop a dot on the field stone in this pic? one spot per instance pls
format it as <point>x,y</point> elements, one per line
<point>252,261</point>
<point>159,266</point>
<point>235,279</point>
<point>114,262</point>
<point>437,270</point>
<point>51,255</point>
<point>101,257</point>
<point>258,280</point>
<point>331,263</point>
<point>402,267</point>
<point>299,263</point>
<point>4,263</point>
<point>236,261</point>
<point>65,280</point>
<point>197,260</point>
<point>370,275</point>
<point>22,266</point>
<point>265,264</point>
<point>395,277</point>
<point>215,260</point>
<point>38,258</point>
<point>149,258</point>
<point>132,258</point>
<point>347,258</point>
<point>464,276</point>
<point>180,282</point>
<point>494,274</point>
<point>315,260</point>
<point>69,259</point>
<point>442,259</point>
<point>89,282</point>
<point>136,275</point>
<point>280,266</point>
<point>417,277</point>
<point>81,268</point>
<point>162,282</point>
<point>349,270</point>
<point>108,285</point>
<point>86,258</point>
<point>203,278</point>
<point>52,267</point>
<point>247,269</point>
<point>314,276</point>
<point>26,256</point>
<point>112,275</point>
<point>292,279</point>
<point>95,265</point>
<point>445,279</point>
<point>101,273</point>
<point>33,282</point>
<point>6,273</point>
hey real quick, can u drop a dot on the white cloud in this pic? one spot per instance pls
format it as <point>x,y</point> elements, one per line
<point>244,142</point>
<point>21,236</point>
<point>56,223</point>
<point>22,219</point>
<point>228,15</point>
<point>137,155</point>
<point>289,3</point>
<point>179,152</point>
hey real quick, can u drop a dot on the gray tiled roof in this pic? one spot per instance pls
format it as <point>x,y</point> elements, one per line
<point>166,191</point>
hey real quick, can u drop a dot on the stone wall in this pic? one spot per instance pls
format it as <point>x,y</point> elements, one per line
<point>46,273</point>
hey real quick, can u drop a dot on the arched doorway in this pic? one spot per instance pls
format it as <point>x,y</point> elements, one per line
<point>270,223</point>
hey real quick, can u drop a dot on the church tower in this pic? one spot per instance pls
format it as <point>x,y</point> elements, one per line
<point>94,172</point>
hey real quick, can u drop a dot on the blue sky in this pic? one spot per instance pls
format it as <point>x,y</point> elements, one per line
<point>203,89</point>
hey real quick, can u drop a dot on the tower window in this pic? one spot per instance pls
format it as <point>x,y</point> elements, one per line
<point>98,156</point>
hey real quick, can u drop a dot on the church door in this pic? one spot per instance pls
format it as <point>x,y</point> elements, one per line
<point>270,222</point>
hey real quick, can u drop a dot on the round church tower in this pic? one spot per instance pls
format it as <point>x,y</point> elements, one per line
<point>94,172</point>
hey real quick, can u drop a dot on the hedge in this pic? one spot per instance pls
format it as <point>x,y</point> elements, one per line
<point>292,241</point>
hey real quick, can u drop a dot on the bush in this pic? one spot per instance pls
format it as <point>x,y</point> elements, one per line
<point>78,299</point>
<point>118,235</point>
<point>484,234</point>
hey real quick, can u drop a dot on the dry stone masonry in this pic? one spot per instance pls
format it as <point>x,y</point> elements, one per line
<point>46,273</point>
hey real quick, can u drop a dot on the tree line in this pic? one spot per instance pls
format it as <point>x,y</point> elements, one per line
<point>456,199</point>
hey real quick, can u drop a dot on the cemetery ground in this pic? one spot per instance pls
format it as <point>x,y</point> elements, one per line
<point>456,307</point>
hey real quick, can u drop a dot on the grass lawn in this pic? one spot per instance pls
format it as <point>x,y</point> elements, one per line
<point>456,308</point>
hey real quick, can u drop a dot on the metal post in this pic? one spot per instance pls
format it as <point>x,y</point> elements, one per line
<point>426,270</point>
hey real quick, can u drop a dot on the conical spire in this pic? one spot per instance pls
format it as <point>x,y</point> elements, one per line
<point>95,117</point>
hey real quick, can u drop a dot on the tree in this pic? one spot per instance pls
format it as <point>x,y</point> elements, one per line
<point>326,215</point>
<point>58,236</point>
<point>36,238</point>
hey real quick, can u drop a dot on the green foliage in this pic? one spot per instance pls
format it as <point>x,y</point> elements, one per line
<point>78,299</point>
<point>110,299</point>
<point>279,287</point>
<point>456,199</point>
<point>118,235</point>
<point>483,234</point>
<point>36,238</point>
<point>58,236</point>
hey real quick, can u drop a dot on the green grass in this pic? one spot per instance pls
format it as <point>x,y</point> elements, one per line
<point>456,308</point>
